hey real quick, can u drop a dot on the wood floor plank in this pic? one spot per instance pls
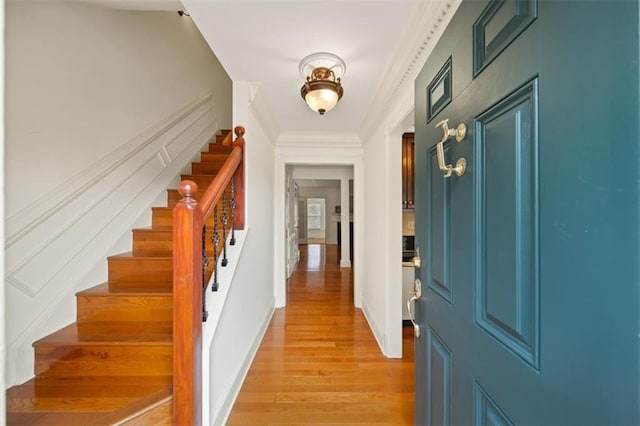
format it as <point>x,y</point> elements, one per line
<point>319,363</point>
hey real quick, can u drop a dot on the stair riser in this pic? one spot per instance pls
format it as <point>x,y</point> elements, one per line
<point>218,148</point>
<point>143,270</point>
<point>165,248</point>
<point>173,196</point>
<point>220,137</point>
<point>163,216</point>
<point>206,168</point>
<point>151,271</point>
<point>148,242</point>
<point>207,157</point>
<point>214,157</point>
<point>203,181</point>
<point>153,309</point>
<point>150,248</point>
<point>108,360</point>
<point>168,250</point>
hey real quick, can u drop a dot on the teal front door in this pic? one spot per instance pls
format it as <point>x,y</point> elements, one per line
<point>530,252</point>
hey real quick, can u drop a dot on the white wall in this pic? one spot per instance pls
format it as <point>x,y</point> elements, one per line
<point>383,272</point>
<point>382,294</point>
<point>103,110</point>
<point>82,81</point>
<point>2,289</point>
<point>250,302</point>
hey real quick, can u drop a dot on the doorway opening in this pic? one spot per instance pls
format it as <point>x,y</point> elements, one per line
<point>316,200</point>
<point>316,221</point>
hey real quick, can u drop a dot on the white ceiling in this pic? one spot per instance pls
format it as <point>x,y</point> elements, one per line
<point>263,41</point>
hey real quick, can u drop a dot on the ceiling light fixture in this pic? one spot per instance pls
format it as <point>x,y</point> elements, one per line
<point>323,88</point>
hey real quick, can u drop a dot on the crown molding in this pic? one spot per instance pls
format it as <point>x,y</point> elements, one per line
<point>428,23</point>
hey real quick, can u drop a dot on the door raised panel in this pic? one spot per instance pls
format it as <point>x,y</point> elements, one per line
<point>506,222</point>
<point>439,91</point>
<point>498,25</point>
<point>439,370</point>
<point>439,226</point>
<point>486,411</point>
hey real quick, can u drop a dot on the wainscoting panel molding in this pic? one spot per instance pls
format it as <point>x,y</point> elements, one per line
<point>52,245</point>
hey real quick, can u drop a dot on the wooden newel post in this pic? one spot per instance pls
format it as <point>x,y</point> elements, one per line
<point>238,180</point>
<point>187,312</point>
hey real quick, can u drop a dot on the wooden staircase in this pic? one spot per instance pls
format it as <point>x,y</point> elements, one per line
<point>114,364</point>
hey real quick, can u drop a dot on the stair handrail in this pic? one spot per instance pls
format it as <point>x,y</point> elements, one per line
<point>189,217</point>
<point>214,192</point>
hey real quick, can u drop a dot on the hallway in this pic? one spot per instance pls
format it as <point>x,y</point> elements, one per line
<point>319,363</point>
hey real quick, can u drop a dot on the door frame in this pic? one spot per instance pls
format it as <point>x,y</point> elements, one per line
<point>338,151</point>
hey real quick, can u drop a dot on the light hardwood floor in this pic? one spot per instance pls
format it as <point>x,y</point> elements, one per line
<point>319,362</point>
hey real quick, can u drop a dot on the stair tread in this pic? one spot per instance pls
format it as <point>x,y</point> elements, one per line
<point>197,175</point>
<point>79,400</point>
<point>174,195</point>
<point>110,333</point>
<point>155,228</point>
<point>88,386</point>
<point>129,255</point>
<point>128,289</point>
<point>220,147</point>
<point>217,149</point>
<point>53,419</point>
<point>213,158</point>
<point>199,192</point>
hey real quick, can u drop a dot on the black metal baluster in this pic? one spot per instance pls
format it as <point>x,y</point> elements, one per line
<point>225,221</point>
<point>232,241</point>
<point>205,263</point>
<point>215,239</point>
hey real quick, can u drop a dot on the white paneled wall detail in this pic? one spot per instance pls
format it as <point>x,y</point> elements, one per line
<point>48,234</point>
<point>54,243</point>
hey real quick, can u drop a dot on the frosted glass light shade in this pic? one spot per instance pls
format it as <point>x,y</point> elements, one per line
<point>322,91</point>
<point>323,72</point>
<point>322,100</point>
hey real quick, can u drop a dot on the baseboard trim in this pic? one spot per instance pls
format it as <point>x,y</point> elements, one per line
<point>377,333</point>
